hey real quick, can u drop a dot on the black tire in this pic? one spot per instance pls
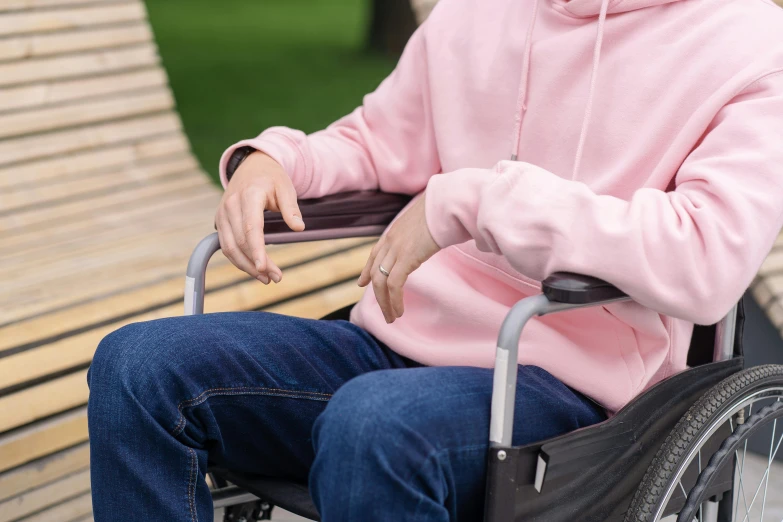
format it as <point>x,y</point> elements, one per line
<point>683,437</point>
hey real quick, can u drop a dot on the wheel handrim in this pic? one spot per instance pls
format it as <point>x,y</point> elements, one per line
<point>694,457</point>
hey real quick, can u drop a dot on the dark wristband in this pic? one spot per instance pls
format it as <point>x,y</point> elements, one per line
<point>236,159</point>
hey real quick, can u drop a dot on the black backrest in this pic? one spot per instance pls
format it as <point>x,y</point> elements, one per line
<point>702,346</point>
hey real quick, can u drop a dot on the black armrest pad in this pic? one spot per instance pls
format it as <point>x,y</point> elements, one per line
<point>566,287</point>
<point>344,210</point>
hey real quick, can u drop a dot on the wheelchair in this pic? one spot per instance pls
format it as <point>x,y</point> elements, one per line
<point>677,450</point>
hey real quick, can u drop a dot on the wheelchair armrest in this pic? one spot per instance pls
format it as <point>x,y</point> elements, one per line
<point>350,214</point>
<point>570,288</point>
<point>360,209</point>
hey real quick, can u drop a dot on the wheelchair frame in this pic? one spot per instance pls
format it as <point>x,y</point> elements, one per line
<point>634,432</point>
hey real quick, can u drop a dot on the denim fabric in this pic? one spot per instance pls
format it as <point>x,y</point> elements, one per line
<point>380,437</point>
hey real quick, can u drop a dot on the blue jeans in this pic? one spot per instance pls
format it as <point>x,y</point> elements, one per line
<point>379,437</point>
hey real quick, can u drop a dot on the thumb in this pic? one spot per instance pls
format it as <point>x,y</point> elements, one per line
<point>289,208</point>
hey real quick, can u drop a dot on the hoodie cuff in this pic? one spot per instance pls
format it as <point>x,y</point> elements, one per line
<point>278,147</point>
<point>451,204</point>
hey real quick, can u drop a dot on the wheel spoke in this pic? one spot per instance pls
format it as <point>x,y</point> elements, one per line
<point>769,468</point>
<point>683,489</point>
<point>742,486</point>
<point>701,508</point>
<point>763,478</point>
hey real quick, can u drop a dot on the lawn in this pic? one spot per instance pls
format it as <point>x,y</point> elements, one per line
<point>240,66</point>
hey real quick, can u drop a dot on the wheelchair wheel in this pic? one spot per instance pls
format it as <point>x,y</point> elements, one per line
<point>700,472</point>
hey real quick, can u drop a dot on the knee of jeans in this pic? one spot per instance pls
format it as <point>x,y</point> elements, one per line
<point>130,359</point>
<point>364,411</point>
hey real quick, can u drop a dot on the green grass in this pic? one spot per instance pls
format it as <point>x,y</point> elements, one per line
<point>240,66</point>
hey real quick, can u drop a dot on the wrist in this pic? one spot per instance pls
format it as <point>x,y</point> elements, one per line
<point>236,159</point>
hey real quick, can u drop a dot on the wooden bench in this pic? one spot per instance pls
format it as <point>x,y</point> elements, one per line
<point>101,203</point>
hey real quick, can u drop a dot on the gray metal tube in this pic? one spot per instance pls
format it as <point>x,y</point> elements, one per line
<point>724,336</point>
<point>195,278</point>
<point>196,274</point>
<point>504,384</point>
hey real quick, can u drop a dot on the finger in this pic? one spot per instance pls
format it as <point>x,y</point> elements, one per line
<point>273,271</point>
<point>232,252</point>
<point>398,275</point>
<point>233,211</point>
<point>366,276</point>
<point>253,227</point>
<point>289,208</point>
<point>379,286</point>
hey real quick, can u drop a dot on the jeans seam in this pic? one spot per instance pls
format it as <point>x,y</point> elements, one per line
<point>192,484</point>
<point>242,390</point>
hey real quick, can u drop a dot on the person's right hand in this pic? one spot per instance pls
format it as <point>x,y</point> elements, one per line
<point>259,184</point>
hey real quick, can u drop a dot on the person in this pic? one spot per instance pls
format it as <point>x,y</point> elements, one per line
<point>636,141</point>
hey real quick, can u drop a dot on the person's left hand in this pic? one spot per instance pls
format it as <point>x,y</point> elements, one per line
<point>400,250</point>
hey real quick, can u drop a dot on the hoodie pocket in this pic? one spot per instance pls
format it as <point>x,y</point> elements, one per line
<point>628,346</point>
<point>496,264</point>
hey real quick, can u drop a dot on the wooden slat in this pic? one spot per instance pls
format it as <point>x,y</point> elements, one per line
<point>69,511</point>
<point>63,169</point>
<point>50,118</point>
<point>140,237</point>
<point>33,442</point>
<point>69,429</point>
<point>38,94</point>
<point>144,260</point>
<point>15,5</point>
<point>30,220</point>
<point>86,138</point>
<point>69,18</point>
<point>70,66</point>
<point>60,490</point>
<point>38,45</point>
<point>41,472</point>
<point>44,400</point>
<point>87,231</point>
<point>39,194</point>
<point>250,294</point>
<point>220,274</point>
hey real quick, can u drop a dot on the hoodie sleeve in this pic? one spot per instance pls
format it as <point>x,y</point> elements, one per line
<point>388,143</point>
<point>689,253</point>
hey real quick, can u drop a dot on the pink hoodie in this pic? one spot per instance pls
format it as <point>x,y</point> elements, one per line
<point>650,146</point>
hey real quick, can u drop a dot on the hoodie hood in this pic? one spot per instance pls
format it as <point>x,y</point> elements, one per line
<point>591,8</point>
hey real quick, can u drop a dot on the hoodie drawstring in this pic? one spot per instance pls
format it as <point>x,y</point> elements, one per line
<point>523,85</point>
<point>593,79</point>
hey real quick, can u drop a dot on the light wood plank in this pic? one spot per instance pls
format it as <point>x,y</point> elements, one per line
<point>70,66</point>
<point>17,5</point>
<point>40,194</point>
<point>143,236</point>
<point>71,115</point>
<point>33,442</point>
<point>86,138</point>
<point>220,273</point>
<point>142,263</point>
<point>69,429</point>
<point>250,294</point>
<point>69,18</point>
<point>99,162</point>
<point>46,93</point>
<point>88,231</point>
<point>73,509</point>
<point>66,487</point>
<point>44,471</point>
<point>37,45</point>
<point>30,220</point>
<point>43,400</point>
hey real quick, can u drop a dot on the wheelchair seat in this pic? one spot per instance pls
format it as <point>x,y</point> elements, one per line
<point>632,467</point>
<point>600,466</point>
